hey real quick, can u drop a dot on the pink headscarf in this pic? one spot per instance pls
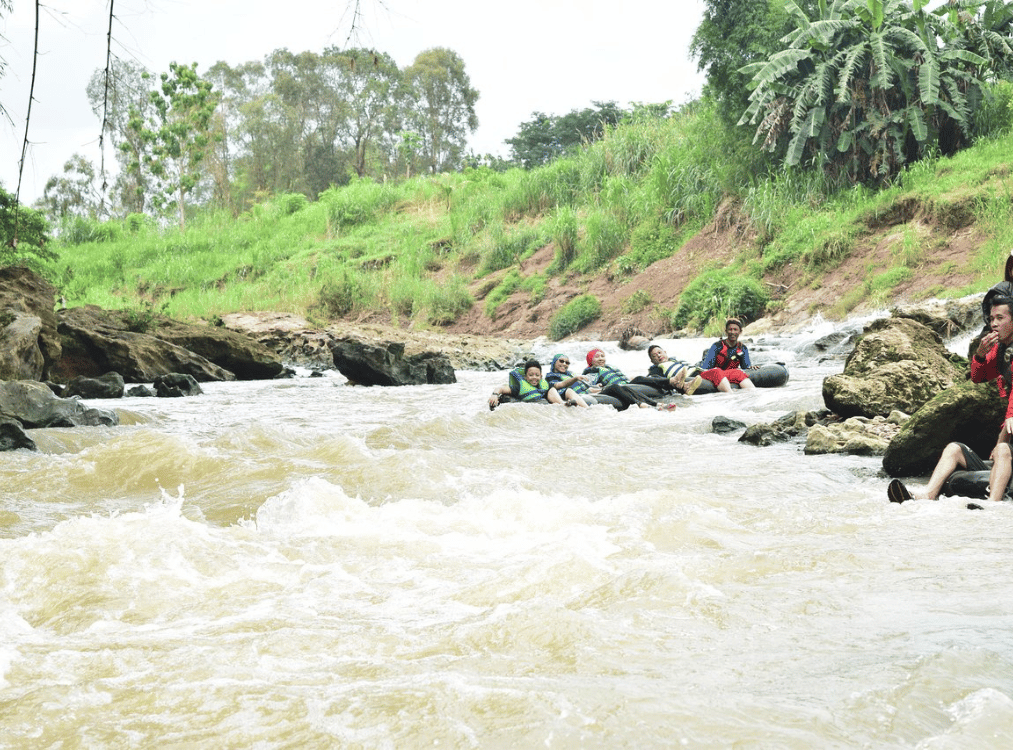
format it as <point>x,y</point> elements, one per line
<point>590,356</point>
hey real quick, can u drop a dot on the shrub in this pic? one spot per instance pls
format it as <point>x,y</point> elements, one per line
<point>716,295</point>
<point>340,295</point>
<point>604,239</point>
<point>576,314</point>
<point>291,203</point>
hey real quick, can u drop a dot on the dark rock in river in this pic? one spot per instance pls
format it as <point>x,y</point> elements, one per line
<point>13,437</point>
<point>29,344</point>
<point>385,363</point>
<point>109,385</point>
<point>897,364</point>
<point>723,425</point>
<point>33,405</point>
<point>97,341</point>
<point>967,413</point>
<point>175,385</point>
<point>140,391</point>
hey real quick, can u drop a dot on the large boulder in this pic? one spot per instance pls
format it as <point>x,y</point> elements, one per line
<point>29,343</point>
<point>176,385</point>
<point>109,385</point>
<point>241,355</point>
<point>34,405</point>
<point>385,363</point>
<point>967,413</point>
<point>897,364</point>
<point>97,341</point>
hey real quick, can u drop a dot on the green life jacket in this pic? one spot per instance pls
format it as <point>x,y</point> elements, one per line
<point>528,392</point>
<point>610,376</point>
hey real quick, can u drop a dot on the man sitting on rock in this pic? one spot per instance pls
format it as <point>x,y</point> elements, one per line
<point>991,361</point>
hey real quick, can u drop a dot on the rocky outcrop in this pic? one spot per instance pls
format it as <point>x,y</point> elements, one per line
<point>298,342</point>
<point>897,364</point>
<point>385,363</point>
<point>242,356</point>
<point>33,405</point>
<point>97,341</point>
<point>29,343</point>
<point>967,413</point>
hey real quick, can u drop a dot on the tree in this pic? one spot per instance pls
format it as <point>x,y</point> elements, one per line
<point>113,98</point>
<point>368,81</point>
<point>177,140</point>
<point>867,86</point>
<point>442,107</point>
<point>546,137</point>
<point>73,193</point>
<point>24,234</point>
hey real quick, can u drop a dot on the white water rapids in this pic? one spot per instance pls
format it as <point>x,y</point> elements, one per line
<point>303,564</point>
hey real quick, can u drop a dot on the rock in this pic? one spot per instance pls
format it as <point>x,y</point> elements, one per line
<point>241,355</point>
<point>33,405</point>
<point>296,341</point>
<point>967,413</point>
<point>141,391</point>
<point>13,437</point>
<point>176,385</point>
<point>97,341</point>
<point>857,436</point>
<point>29,343</point>
<point>897,364</point>
<point>763,435</point>
<point>385,363</point>
<point>109,385</point>
<point>724,425</point>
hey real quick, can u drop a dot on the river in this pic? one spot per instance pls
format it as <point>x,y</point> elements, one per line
<point>304,564</point>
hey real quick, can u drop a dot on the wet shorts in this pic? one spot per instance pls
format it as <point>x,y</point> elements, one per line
<point>973,460</point>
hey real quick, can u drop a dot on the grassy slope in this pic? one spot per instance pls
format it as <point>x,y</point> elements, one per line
<point>614,221</point>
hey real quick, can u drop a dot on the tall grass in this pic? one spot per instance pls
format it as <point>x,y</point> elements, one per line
<point>410,250</point>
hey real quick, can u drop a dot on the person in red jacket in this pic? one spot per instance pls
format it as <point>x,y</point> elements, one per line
<point>991,361</point>
<point>730,355</point>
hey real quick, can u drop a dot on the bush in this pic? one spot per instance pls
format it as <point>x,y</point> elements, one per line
<point>604,238</point>
<point>564,230</point>
<point>340,295</point>
<point>576,314</point>
<point>717,295</point>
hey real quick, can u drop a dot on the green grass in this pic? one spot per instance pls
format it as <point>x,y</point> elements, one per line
<point>410,250</point>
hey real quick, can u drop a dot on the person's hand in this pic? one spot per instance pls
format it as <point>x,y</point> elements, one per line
<point>987,342</point>
<point>595,389</point>
<point>1007,427</point>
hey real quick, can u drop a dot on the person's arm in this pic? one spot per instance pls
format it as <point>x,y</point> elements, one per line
<point>712,355</point>
<point>746,362</point>
<point>983,364</point>
<point>499,390</point>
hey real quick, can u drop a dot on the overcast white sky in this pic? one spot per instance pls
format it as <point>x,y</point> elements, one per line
<point>523,55</point>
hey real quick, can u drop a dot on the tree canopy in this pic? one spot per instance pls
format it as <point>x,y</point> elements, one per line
<point>863,87</point>
<point>546,137</point>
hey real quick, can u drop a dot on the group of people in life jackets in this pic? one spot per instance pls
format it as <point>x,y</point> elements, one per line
<point>726,362</point>
<point>991,361</point>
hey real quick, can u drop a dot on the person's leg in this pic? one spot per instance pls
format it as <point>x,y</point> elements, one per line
<point>553,397</point>
<point>1002,467</point>
<point>952,459</point>
<point>724,386</point>
<point>740,378</point>
<point>572,396</point>
<point>746,384</point>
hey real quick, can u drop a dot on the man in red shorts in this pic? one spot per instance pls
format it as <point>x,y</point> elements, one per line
<point>730,355</point>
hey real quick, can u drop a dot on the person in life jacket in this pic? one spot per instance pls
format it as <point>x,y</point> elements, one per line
<point>991,361</point>
<point>610,381</point>
<point>730,355</point>
<point>574,388</point>
<point>526,384</point>
<point>682,376</point>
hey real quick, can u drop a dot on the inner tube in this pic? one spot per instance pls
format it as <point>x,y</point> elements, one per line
<point>772,375</point>
<point>968,484</point>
